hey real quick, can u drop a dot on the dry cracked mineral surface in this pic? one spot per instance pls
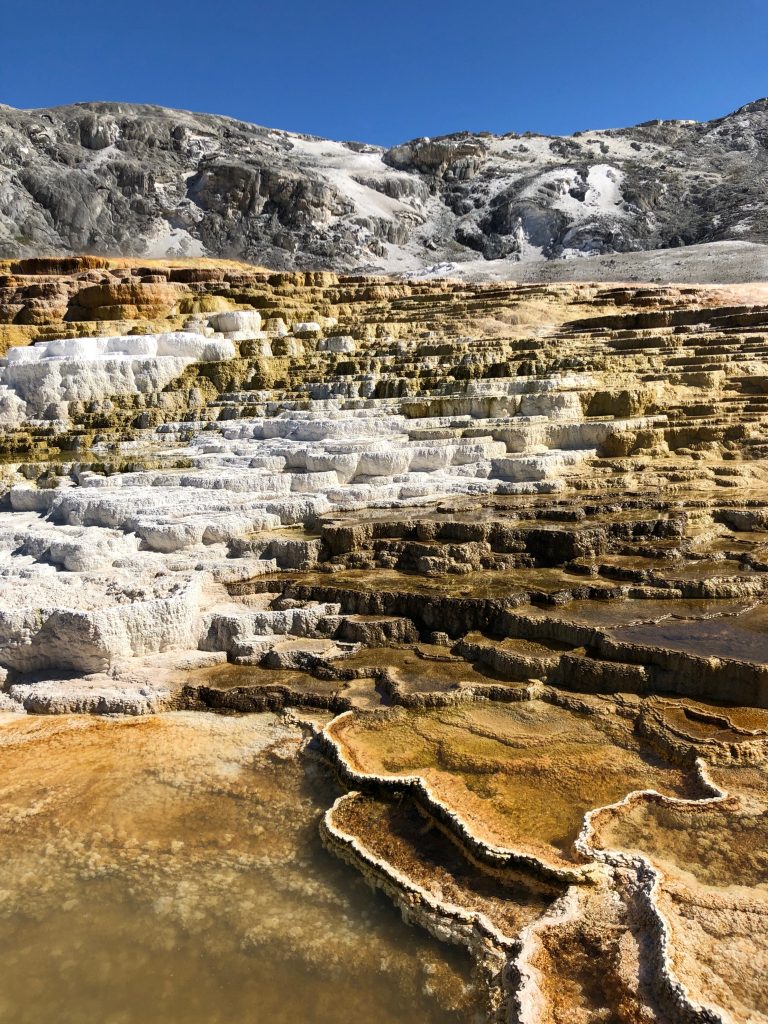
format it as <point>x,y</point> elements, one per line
<point>381,650</point>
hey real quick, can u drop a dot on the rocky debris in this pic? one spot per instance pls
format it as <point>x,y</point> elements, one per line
<point>144,181</point>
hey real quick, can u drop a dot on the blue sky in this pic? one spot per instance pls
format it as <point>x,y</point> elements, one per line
<point>390,70</point>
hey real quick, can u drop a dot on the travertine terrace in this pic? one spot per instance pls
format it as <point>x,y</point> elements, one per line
<point>511,541</point>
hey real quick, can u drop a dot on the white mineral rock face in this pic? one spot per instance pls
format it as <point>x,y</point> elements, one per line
<point>85,622</point>
<point>37,381</point>
<point>247,321</point>
<point>339,343</point>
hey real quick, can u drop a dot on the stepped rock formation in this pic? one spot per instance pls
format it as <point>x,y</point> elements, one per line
<point>511,540</point>
<point>665,200</point>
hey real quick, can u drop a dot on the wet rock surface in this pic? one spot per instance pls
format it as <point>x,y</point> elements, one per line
<point>502,551</point>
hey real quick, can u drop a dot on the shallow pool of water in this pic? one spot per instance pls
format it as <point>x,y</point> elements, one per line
<point>169,869</point>
<point>520,775</point>
<point>742,637</point>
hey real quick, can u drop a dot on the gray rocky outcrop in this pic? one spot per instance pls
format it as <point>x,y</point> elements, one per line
<point>124,179</point>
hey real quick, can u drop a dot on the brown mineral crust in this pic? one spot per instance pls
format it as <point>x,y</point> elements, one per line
<point>399,833</point>
<point>438,883</point>
<point>600,658</point>
<point>252,689</point>
<point>590,964</point>
<point>723,735</point>
<point>712,860</point>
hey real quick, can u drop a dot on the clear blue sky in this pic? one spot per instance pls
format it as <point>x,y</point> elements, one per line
<point>390,70</point>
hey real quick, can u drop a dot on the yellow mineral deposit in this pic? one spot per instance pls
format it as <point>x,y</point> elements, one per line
<point>521,775</point>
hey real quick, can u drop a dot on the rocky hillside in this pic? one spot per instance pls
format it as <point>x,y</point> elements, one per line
<point>113,178</point>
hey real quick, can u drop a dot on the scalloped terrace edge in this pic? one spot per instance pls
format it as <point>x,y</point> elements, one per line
<point>514,985</point>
